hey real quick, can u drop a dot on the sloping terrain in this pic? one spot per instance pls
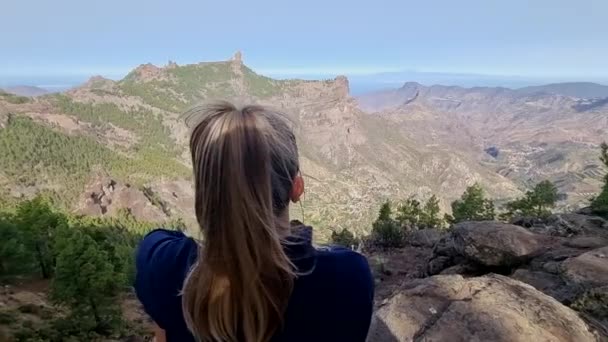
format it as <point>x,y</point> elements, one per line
<point>26,90</point>
<point>127,135</point>
<point>526,137</point>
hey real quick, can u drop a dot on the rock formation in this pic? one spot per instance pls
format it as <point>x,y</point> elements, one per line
<point>493,281</point>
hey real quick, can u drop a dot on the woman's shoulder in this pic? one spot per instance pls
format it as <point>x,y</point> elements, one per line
<point>342,284</point>
<point>343,262</point>
<point>165,249</point>
<point>162,261</point>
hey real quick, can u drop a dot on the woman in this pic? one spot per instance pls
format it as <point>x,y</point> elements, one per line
<point>254,277</point>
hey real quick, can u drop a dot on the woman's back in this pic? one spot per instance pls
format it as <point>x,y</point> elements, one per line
<point>332,303</point>
<point>253,278</point>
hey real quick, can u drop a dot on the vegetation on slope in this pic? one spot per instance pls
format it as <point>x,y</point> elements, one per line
<point>89,262</point>
<point>182,86</point>
<point>600,204</point>
<point>392,227</point>
<point>536,203</point>
<point>260,86</point>
<point>14,99</point>
<point>33,153</point>
<point>145,124</point>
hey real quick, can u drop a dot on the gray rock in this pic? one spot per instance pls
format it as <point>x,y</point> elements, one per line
<point>488,308</point>
<point>586,242</point>
<point>492,243</point>
<point>587,270</point>
<point>424,237</point>
<point>577,225</point>
<point>548,283</point>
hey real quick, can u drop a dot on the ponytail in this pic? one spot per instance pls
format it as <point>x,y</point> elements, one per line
<point>244,162</point>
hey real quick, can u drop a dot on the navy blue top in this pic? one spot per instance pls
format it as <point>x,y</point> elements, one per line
<point>332,303</point>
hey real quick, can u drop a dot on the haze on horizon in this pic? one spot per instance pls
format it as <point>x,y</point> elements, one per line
<point>516,41</point>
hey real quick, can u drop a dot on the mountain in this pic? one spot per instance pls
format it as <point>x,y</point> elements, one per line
<point>526,137</point>
<point>582,90</point>
<point>24,90</point>
<point>111,145</point>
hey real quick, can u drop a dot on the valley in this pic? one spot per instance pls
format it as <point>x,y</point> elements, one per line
<point>107,146</point>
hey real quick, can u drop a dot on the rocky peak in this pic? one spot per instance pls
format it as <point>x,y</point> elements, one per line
<point>342,86</point>
<point>147,72</point>
<point>171,65</point>
<point>237,58</point>
<point>98,82</point>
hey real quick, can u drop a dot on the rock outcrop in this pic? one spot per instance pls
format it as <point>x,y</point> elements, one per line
<point>588,270</point>
<point>105,196</point>
<point>543,276</point>
<point>487,244</point>
<point>488,308</point>
<point>424,237</point>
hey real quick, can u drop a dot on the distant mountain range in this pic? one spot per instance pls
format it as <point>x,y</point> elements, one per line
<point>24,90</point>
<point>528,134</point>
<point>381,81</point>
<point>584,94</point>
<point>574,89</point>
<point>108,146</point>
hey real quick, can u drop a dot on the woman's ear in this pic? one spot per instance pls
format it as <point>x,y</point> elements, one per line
<point>297,188</point>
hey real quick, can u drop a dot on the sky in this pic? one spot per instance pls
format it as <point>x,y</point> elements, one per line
<point>550,39</point>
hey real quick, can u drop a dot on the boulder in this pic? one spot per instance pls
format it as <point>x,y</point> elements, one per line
<point>548,283</point>
<point>527,221</point>
<point>489,308</point>
<point>577,225</point>
<point>424,237</point>
<point>586,242</point>
<point>587,270</point>
<point>488,244</point>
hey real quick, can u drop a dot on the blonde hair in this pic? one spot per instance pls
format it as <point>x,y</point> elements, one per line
<point>244,164</point>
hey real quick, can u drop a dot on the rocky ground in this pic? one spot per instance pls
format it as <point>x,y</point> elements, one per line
<point>491,281</point>
<point>481,281</point>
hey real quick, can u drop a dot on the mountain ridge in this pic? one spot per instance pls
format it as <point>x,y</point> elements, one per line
<point>535,136</point>
<point>353,160</point>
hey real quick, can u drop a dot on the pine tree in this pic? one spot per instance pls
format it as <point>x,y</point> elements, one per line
<point>409,213</point>
<point>472,206</point>
<point>85,281</point>
<point>430,214</point>
<point>386,232</point>
<point>38,223</point>
<point>15,258</point>
<point>385,211</point>
<point>537,202</point>
<point>544,196</point>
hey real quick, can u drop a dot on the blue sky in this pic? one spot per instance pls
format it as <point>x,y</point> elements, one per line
<point>532,38</point>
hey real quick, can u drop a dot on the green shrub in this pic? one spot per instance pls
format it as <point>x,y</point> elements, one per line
<point>472,206</point>
<point>8,317</point>
<point>387,234</point>
<point>344,238</point>
<point>30,309</point>
<point>594,302</point>
<point>14,99</point>
<point>536,203</point>
<point>386,231</point>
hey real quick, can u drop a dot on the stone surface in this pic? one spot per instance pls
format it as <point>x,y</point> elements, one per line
<point>489,244</point>
<point>548,283</point>
<point>586,242</point>
<point>488,308</point>
<point>424,237</point>
<point>577,225</point>
<point>588,270</point>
